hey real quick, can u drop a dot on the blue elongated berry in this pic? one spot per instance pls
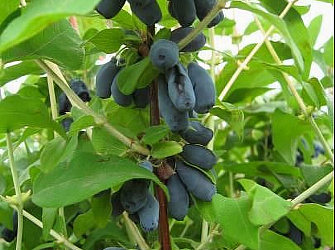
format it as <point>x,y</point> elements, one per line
<point>133,195</point>
<point>196,44</point>
<point>175,119</point>
<point>147,11</point>
<point>179,198</point>
<point>149,214</point>
<point>197,134</point>
<point>180,88</point>
<point>105,77</point>
<point>204,88</point>
<point>196,182</point>
<point>120,98</point>
<point>184,11</point>
<point>199,156</point>
<point>164,54</point>
<point>110,8</point>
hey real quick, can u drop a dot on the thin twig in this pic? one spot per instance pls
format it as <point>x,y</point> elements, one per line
<point>99,119</point>
<point>19,205</point>
<point>53,233</point>
<point>135,232</point>
<point>244,64</point>
<point>312,190</point>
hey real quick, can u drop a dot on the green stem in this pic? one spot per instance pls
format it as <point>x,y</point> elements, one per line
<point>16,182</point>
<point>322,139</point>
<point>204,231</point>
<point>135,233</point>
<point>54,113</point>
<point>313,189</point>
<point>52,96</point>
<point>203,24</point>
<point>99,119</point>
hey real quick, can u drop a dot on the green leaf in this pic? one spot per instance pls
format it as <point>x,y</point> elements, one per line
<point>129,121</point>
<point>312,174</point>
<point>328,53</point>
<point>313,93</point>
<point>314,29</point>
<point>111,231</point>
<point>52,153</point>
<point>83,176</point>
<point>267,207</point>
<point>322,217</point>
<point>7,7</point>
<point>155,134</point>
<point>232,115</point>
<point>13,72</point>
<point>246,95</point>
<point>17,112</point>
<point>58,43</point>
<point>104,143</point>
<point>38,15</point>
<point>101,207</point>
<point>165,149</point>
<point>297,31</point>
<point>83,223</point>
<point>300,221</point>
<point>232,215</point>
<point>279,24</point>
<point>48,219</point>
<point>288,69</point>
<point>124,20</point>
<point>81,123</point>
<point>286,140</point>
<point>138,75</point>
<point>271,240</point>
<point>108,40</point>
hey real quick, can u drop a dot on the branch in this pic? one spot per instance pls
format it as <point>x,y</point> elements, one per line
<point>19,205</point>
<point>99,119</point>
<point>252,53</point>
<point>312,190</point>
<point>296,94</point>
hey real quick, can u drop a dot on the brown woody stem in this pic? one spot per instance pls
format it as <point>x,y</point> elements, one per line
<point>164,233</point>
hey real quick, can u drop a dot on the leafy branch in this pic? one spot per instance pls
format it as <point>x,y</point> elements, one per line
<point>295,202</point>
<point>99,119</point>
<point>295,93</point>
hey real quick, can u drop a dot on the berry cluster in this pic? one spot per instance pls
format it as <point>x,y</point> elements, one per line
<point>136,198</point>
<point>149,13</point>
<point>189,179</point>
<point>186,11</point>
<point>106,86</point>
